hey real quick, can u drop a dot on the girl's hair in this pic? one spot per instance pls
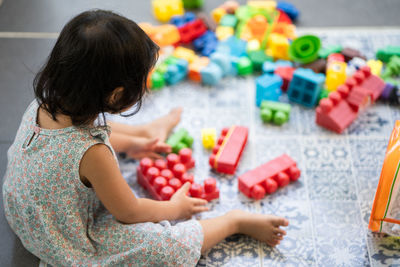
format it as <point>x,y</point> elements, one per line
<point>96,52</point>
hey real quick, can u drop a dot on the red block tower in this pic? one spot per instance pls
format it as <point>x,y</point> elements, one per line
<point>229,148</point>
<point>342,107</point>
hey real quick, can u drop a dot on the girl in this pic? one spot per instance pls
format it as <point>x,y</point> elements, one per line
<point>64,195</point>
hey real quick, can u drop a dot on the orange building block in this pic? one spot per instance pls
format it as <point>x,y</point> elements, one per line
<point>196,66</point>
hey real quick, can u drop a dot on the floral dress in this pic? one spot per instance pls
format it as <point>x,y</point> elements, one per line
<point>62,222</point>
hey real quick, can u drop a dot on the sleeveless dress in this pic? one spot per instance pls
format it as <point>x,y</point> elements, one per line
<point>62,222</point>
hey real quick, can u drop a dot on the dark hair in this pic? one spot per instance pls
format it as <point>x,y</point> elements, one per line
<point>96,52</point>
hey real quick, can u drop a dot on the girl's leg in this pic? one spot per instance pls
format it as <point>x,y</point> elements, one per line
<point>265,228</point>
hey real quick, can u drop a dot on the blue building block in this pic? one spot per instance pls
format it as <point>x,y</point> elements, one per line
<point>206,43</point>
<point>176,72</point>
<point>179,21</point>
<point>268,87</point>
<point>306,87</point>
<point>223,61</point>
<point>211,74</point>
<point>237,47</point>
<point>289,9</point>
<point>269,67</point>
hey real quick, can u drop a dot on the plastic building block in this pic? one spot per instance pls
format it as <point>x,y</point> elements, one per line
<point>324,94</point>
<point>335,75</point>
<point>356,63</point>
<point>192,30</point>
<point>176,72</point>
<point>392,68</point>
<point>268,87</point>
<point>163,10</point>
<point>350,53</point>
<point>387,91</point>
<point>229,148</point>
<point>185,53</point>
<point>208,137</point>
<point>253,45</point>
<point>386,53</point>
<point>341,108</point>
<point>289,9</point>
<point>211,74</point>
<point>270,67</point>
<point>195,68</point>
<point>268,5</point>
<point>161,178</point>
<point>317,66</point>
<point>157,80</point>
<point>376,66</point>
<point>179,21</point>
<point>305,87</point>
<point>305,49</point>
<point>224,32</point>
<point>206,43</point>
<point>278,46</point>
<point>237,47</point>
<point>208,21</point>
<point>244,66</point>
<point>223,61</point>
<point>179,140</point>
<point>335,57</point>
<point>268,177</point>
<point>257,58</point>
<point>228,20</point>
<point>162,35</point>
<point>275,112</point>
<point>331,49</point>
<point>283,18</point>
<point>286,73</point>
<point>230,6</point>
<point>217,14</point>
<point>192,4</point>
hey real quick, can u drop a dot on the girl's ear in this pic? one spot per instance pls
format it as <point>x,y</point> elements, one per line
<point>116,95</point>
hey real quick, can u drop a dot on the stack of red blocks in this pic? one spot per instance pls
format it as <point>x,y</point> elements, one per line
<point>162,178</point>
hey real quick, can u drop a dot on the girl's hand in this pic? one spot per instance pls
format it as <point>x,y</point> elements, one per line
<point>144,147</point>
<point>187,206</point>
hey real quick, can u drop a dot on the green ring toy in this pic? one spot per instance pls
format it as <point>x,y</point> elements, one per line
<point>305,49</point>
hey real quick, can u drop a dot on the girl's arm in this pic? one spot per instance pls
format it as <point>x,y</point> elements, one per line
<point>137,130</point>
<point>100,168</point>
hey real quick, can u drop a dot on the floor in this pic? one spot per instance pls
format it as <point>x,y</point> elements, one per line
<point>328,208</point>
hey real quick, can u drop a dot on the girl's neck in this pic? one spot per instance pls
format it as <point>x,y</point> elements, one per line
<point>45,120</point>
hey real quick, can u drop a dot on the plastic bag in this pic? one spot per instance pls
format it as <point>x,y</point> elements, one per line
<point>385,214</point>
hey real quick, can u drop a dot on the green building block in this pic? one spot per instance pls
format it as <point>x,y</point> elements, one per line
<point>257,58</point>
<point>157,80</point>
<point>244,66</point>
<point>330,49</point>
<point>386,53</point>
<point>275,112</point>
<point>305,49</point>
<point>324,94</point>
<point>192,4</point>
<point>228,20</point>
<point>392,68</point>
<point>180,139</point>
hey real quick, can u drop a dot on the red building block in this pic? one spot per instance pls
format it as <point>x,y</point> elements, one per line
<point>286,73</point>
<point>161,178</point>
<point>192,30</point>
<point>268,177</point>
<point>342,107</point>
<point>229,148</point>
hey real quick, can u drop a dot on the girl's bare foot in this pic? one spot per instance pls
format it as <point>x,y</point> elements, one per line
<point>161,127</point>
<point>265,228</point>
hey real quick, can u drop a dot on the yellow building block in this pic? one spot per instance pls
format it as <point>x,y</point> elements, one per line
<point>335,75</point>
<point>268,5</point>
<point>208,136</point>
<point>223,32</point>
<point>163,10</point>
<point>217,14</point>
<point>188,54</point>
<point>278,46</point>
<point>376,66</point>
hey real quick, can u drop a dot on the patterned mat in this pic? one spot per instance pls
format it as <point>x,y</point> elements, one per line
<point>329,207</point>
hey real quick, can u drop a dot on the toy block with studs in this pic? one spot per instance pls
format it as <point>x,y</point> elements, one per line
<point>268,87</point>
<point>208,137</point>
<point>268,177</point>
<point>179,140</point>
<point>226,154</point>
<point>163,177</point>
<point>192,30</point>
<point>275,112</point>
<point>163,10</point>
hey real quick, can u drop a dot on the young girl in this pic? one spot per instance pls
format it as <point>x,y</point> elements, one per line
<point>64,195</point>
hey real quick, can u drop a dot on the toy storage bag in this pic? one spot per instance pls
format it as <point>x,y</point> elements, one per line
<point>385,214</point>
